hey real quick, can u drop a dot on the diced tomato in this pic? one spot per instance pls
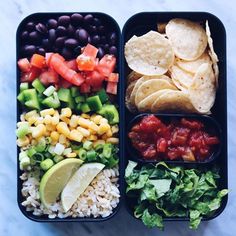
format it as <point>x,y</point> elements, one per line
<point>106,65</point>
<point>49,77</point>
<point>111,87</point>
<point>85,88</point>
<point>58,64</point>
<point>72,64</point>
<point>85,63</point>
<point>33,73</point>
<point>64,83</point>
<point>94,79</point>
<point>48,56</point>
<point>38,61</point>
<point>90,51</point>
<point>24,65</point>
<point>161,145</point>
<point>113,77</point>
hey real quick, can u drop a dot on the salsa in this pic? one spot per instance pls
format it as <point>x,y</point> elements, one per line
<point>180,139</point>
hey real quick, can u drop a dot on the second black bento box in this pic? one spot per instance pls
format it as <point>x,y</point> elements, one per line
<point>105,34</point>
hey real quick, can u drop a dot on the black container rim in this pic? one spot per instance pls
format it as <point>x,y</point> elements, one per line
<point>29,215</point>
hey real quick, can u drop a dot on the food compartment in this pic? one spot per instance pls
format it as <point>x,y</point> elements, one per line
<point>68,112</point>
<point>174,138</point>
<point>138,106</point>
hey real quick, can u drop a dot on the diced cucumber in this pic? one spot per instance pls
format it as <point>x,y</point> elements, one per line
<point>110,112</point>
<point>74,91</point>
<point>64,95</point>
<point>21,97</point>
<point>78,106</point>
<point>31,98</point>
<point>51,102</point>
<point>79,99</point>
<point>38,86</point>
<point>94,103</point>
<point>49,91</point>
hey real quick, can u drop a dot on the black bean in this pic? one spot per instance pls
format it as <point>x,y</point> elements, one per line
<point>41,51</point>
<point>101,52</point>
<point>46,44</point>
<point>52,35</point>
<point>101,29</point>
<point>92,29</point>
<point>41,28</point>
<point>59,43</point>
<point>34,37</point>
<point>103,39</point>
<point>106,47</point>
<point>67,53</point>
<point>71,30</point>
<point>29,50</point>
<point>64,20</point>
<point>113,50</point>
<point>30,26</point>
<point>52,24</point>
<point>97,22</point>
<point>24,35</point>
<point>112,38</point>
<point>71,43</point>
<point>96,39</point>
<point>76,19</point>
<point>82,36</point>
<point>88,19</point>
<point>61,31</point>
<point>77,50</point>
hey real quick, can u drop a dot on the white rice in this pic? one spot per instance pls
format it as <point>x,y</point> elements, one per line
<point>99,199</point>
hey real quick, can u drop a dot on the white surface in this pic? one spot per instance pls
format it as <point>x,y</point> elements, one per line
<point>12,222</point>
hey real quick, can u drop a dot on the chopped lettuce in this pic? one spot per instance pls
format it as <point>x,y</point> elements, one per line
<point>165,191</point>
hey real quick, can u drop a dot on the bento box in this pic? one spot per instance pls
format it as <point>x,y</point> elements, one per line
<point>160,105</point>
<point>68,118</point>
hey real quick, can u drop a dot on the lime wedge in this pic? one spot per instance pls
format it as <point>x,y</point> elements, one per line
<point>78,183</point>
<point>55,179</point>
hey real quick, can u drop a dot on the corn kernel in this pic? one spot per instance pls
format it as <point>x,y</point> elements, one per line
<point>30,113</point>
<point>112,140</point>
<point>84,122</point>
<point>39,121</point>
<point>22,123</point>
<point>65,119</point>
<point>93,126</point>
<point>75,135</point>
<point>103,121</point>
<point>99,141</point>
<point>51,127</point>
<point>109,133</point>
<point>56,118</point>
<point>22,142</point>
<point>66,112</point>
<point>115,129</point>
<point>96,119</point>
<point>62,139</point>
<point>86,116</point>
<point>22,117</point>
<point>73,121</point>
<point>38,131</point>
<point>49,112</point>
<point>103,128</point>
<point>63,129</point>
<point>32,120</point>
<point>84,132</point>
<point>54,136</point>
<point>92,137</point>
<point>92,131</point>
<point>47,119</point>
<point>72,154</point>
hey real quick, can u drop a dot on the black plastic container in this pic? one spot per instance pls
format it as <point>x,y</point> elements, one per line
<point>113,26</point>
<point>211,124</point>
<point>142,23</point>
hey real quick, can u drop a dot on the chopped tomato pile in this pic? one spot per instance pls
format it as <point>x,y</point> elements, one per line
<point>184,139</point>
<point>86,71</point>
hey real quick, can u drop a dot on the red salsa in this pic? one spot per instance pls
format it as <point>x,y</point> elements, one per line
<point>180,139</point>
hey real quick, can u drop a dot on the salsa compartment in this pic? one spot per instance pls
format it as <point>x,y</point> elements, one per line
<point>174,136</point>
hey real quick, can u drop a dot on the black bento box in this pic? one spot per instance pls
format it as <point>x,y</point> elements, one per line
<point>139,24</point>
<point>142,23</point>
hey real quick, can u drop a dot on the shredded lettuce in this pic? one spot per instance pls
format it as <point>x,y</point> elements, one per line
<point>165,191</point>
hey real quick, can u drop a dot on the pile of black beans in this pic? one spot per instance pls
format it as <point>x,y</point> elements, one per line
<point>66,35</point>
